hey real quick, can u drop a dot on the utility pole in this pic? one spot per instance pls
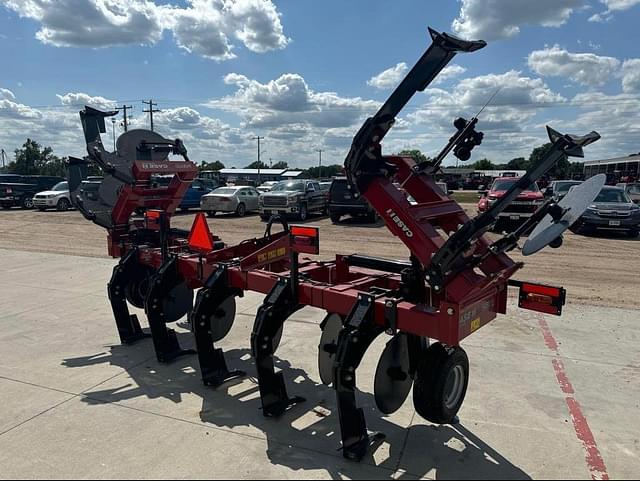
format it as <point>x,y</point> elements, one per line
<point>4,156</point>
<point>113,123</point>
<point>320,164</point>
<point>151,110</point>
<point>124,109</point>
<point>258,138</point>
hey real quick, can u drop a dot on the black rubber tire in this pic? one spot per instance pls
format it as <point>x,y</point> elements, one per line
<point>241,210</point>
<point>264,218</point>
<point>6,207</point>
<point>335,218</point>
<point>303,213</point>
<point>211,213</point>
<point>63,205</point>
<point>433,383</point>
<point>26,203</point>
<point>633,233</point>
<point>372,217</point>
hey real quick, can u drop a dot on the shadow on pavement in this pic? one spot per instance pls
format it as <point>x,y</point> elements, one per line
<point>307,436</point>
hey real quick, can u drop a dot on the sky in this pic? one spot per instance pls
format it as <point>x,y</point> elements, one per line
<point>305,74</point>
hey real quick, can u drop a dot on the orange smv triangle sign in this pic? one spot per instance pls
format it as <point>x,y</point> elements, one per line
<point>200,237</point>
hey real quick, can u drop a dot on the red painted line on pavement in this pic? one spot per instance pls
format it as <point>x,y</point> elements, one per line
<point>561,375</point>
<point>594,459</point>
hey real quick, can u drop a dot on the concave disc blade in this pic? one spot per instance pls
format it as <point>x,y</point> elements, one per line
<point>221,321</point>
<point>138,286</point>
<point>177,303</point>
<point>393,382</point>
<point>328,347</point>
<point>575,203</point>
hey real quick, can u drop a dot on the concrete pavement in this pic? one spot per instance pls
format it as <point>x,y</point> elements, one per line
<point>549,397</point>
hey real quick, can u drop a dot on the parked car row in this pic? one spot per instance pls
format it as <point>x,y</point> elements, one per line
<point>615,208</point>
<point>21,190</point>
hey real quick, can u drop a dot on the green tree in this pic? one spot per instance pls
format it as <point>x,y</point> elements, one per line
<point>519,163</point>
<point>415,154</point>
<point>561,170</point>
<point>484,164</point>
<point>257,165</point>
<point>325,172</point>
<point>280,165</point>
<point>215,165</point>
<point>576,169</point>
<point>33,159</point>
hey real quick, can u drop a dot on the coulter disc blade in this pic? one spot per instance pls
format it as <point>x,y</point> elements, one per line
<point>328,347</point>
<point>393,381</point>
<point>221,321</point>
<point>178,303</point>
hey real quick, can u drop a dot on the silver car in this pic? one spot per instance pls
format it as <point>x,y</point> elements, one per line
<point>230,199</point>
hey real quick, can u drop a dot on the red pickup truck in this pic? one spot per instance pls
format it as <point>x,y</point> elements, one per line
<point>519,210</point>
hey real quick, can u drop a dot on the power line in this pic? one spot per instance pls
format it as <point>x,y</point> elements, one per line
<point>151,110</point>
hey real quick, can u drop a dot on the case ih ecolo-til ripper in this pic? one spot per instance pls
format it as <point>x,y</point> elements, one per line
<point>454,283</point>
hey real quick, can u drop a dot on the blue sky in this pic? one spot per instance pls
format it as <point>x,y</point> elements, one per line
<point>305,74</point>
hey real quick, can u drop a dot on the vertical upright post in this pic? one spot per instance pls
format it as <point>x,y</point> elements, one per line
<point>113,123</point>
<point>320,163</point>
<point>258,138</point>
<point>151,110</point>
<point>126,122</point>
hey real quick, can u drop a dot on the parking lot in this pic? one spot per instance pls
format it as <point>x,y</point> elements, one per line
<point>549,397</point>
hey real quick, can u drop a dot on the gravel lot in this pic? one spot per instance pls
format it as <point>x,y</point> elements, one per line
<point>600,271</point>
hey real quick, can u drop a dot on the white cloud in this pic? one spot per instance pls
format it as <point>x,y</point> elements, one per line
<point>79,100</point>
<point>495,19</point>
<point>448,73</point>
<point>288,100</point>
<point>204,27</point>
<point>507,121</point>
<point>612,7</point>
<point>631,75</point>
<point>389,78</point>
<point>392,76</point>
<point>615,117</point>
<point>92,23</point>
<point>584,68</point>
<point>11,109</point>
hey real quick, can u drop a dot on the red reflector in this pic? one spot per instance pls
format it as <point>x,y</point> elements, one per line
<point>152,214</point>
<point>304,231</point>
<point>200,237</point>
<point>303,241</point>
<point>542,290</point>
<point>540,299</point>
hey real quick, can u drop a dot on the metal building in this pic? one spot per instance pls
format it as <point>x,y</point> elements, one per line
<point>617,170</point>
<point>258,176</point>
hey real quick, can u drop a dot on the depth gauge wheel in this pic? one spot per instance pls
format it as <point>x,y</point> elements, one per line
<point>441,383</point>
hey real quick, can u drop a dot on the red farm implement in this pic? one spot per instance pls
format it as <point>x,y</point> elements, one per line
<point>455,282</point>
